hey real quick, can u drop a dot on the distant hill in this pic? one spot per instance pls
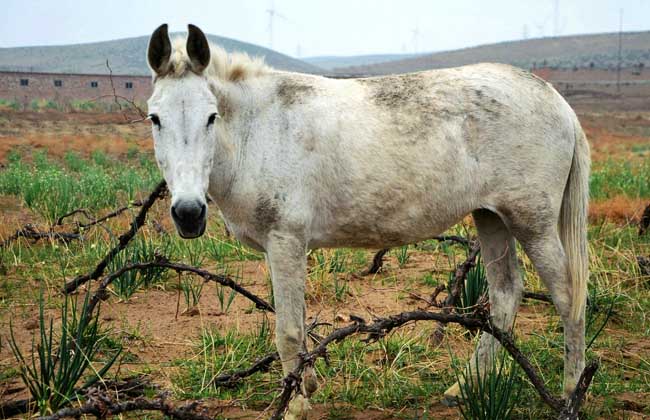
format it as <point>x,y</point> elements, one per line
<point>330,62</point>
<point>582,51</point>
<point>126,56</point>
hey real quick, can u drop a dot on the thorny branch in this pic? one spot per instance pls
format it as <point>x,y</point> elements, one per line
<point>124,239</point>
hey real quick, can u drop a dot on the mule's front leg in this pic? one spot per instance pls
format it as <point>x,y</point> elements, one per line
<point>286,256</point>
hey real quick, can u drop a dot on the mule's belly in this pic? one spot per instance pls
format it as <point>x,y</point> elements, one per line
<point>388,224</point>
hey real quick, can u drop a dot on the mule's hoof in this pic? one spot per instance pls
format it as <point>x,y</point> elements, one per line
<point>298,408</point>
<point>451,397</point>
<point>309,381</point>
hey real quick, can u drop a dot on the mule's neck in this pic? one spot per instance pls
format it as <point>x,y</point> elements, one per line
<point>238,107</point>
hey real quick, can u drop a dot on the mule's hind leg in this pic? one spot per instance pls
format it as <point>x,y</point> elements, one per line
<point>549,258</point>
<point>499,254</point>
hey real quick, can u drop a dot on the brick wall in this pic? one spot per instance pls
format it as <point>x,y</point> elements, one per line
<point>72,87</point>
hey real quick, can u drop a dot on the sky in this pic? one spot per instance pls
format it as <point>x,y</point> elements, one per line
<point>320,27</point>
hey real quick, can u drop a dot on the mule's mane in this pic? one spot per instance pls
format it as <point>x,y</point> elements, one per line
<point>229,67</point>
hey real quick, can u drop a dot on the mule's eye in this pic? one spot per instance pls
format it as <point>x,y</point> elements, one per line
<point>211,119</point>
<point>154,119</point>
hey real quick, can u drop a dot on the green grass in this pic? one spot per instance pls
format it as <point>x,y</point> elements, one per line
<point>612,178</point>
<point>53,189</point>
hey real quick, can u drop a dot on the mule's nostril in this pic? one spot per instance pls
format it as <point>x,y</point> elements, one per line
<point>188,211</point>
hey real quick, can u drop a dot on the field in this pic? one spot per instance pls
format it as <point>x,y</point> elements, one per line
<point>179,333</point>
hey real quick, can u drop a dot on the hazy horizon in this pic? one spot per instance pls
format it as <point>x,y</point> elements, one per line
<point>361,27</point>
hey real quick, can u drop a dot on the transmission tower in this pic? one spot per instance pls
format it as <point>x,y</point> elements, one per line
<point>416,39</point>
<point>273,13</point>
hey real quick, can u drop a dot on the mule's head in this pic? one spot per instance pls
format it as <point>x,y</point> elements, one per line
<point>183,110</point>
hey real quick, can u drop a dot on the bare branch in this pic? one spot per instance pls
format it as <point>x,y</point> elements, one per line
<point>163,262</point>
<point>572,408</point>
<point>29,231</point>
<point>124,239</point>
<point>93,220</point>
<point>455,287</point>
<point>377,263</point>
<point>116,97</point>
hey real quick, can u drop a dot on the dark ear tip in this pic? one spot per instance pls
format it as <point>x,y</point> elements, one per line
<point>162,28</point>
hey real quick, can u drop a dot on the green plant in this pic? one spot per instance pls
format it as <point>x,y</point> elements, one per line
<point>600,308</point>
<point>402,255</point>
<point>192,289</point>
<point>474,287</point>
<point>218,250</point>
<point>225,302</point>
<point>53,371</point>
<point>338,261</point>
<point>489,393</point>
<point>340,288</point>
<point>139,250</point>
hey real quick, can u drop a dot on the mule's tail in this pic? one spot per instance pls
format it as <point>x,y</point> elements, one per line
<point>573,222</point>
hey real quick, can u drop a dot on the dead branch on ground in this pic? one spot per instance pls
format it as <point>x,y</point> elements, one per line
<point>31,232</point>
<point>101,405</point>
<point>133,387</point>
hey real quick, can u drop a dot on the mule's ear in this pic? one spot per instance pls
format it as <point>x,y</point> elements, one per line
<point>198,48</point>
<point>159,50</point>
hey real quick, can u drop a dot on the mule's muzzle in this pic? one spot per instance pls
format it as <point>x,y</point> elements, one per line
<point>190,218</point>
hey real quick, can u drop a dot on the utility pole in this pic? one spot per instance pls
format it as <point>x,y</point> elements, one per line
<point>620,51</point>
<point>524,33</point>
